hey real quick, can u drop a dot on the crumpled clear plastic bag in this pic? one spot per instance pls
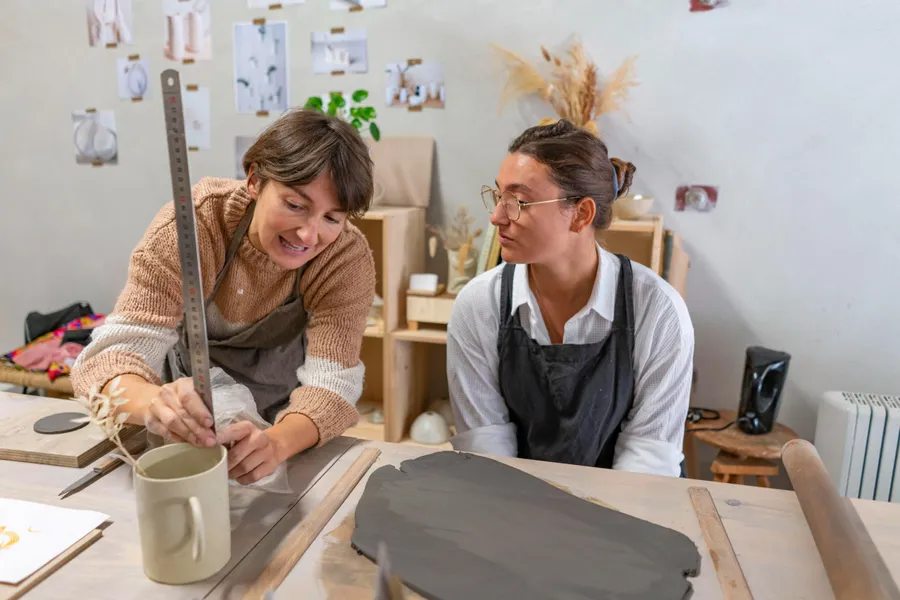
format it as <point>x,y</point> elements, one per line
<point>233,402</point>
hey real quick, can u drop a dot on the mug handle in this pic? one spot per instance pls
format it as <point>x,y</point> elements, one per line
<point>198,537</point>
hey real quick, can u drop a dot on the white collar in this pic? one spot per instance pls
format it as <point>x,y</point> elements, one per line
<point>603,296</point>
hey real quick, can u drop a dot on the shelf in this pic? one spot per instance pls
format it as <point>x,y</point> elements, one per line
<point>380,213</point>
<point>426,336</point>
<point>374,331</point>
<point>365,430</point>
<point>646,224</point>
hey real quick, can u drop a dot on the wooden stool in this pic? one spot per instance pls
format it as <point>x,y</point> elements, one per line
<point>740,453</point>
<point>729,468</point>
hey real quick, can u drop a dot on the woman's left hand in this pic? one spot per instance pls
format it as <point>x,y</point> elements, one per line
<point>254,454</point>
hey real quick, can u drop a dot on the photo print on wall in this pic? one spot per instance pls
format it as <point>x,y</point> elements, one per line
<point>110,22</point>
<point>339,51</point>
<point>133,77</point>
<point>195,104</point>
<point>95,137</point>
<point>188,28</point>
<point>261,67</point>
<point>415,84</point>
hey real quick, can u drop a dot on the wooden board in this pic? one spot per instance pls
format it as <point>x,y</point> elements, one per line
<point>728,569</point>
<point>11,592</point>
<point>76,449</point>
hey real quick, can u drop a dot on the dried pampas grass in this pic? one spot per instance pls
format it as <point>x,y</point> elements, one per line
<point>103,414</point>
<point>573,88</point>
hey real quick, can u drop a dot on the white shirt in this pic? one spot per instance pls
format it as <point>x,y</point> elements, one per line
<point>651,437</point>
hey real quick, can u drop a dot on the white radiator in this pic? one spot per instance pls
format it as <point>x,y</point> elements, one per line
<point>857,437</point>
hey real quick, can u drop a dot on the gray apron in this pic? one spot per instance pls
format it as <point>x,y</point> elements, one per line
<point>265,356</point>
<point>568,401</point>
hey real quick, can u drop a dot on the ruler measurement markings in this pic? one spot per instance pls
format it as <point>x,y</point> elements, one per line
<point>192,284</point>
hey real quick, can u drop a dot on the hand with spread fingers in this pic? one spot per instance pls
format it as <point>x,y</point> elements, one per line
<point>254,454</point>
<point>177,413</point>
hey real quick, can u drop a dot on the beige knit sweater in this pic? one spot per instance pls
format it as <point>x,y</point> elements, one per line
<point>338,287</point>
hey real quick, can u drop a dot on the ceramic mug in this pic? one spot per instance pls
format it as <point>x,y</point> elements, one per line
<point>182,509</point>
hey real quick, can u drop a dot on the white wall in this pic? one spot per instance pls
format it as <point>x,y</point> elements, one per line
<point>790,108</point>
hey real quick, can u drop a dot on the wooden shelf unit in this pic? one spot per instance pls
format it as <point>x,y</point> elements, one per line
<point>641,240</point>
<point>396,236</point>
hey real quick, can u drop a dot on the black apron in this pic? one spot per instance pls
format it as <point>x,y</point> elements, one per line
<point>265,356</point>
<point>568,401</point>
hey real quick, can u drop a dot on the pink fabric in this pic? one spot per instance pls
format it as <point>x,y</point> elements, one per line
<point>39,357</point>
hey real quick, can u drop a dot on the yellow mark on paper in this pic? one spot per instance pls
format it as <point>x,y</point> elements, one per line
<point>7,537</point>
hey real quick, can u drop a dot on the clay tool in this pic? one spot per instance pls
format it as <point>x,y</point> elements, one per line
<point>728,569</point>
<point>108,465</point>
<point>185,224</point>
<point>387,585</point>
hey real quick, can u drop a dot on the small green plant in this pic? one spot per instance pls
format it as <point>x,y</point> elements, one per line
<point>361,117</point>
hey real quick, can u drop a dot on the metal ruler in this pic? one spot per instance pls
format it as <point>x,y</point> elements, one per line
<point>185,224</point>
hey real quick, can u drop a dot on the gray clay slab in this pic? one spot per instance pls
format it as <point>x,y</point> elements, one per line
<point>461,526</point>
<point>60,423</point>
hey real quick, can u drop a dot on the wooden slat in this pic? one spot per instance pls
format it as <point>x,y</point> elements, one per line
<point>301,538</point>
<point>855,567</point>
<point>728,569</point>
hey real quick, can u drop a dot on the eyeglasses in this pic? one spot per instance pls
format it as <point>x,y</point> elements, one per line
<point>511,204</point>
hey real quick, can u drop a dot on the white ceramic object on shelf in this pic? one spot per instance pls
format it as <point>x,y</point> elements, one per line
<point>423,282</point>
<point>632,207</point>
<point>430,428</point>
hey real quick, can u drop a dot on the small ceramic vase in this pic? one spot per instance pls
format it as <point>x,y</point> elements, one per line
<point>430,428</point>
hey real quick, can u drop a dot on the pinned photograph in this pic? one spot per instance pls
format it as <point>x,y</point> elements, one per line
<point>268,3</point>
<point>95,137</point>
<point>242,143</point>
<point>188,28</point>
<point>133,77</point>
<point>109,22</point>
<point>343,51</point>
<point>357,4</point>
<point>414,84</point>
<point>195,104</point>
<point>260,67</point>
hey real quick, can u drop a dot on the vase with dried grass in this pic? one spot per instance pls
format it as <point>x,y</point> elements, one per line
<point>573,87</point>
<point>458,241</point>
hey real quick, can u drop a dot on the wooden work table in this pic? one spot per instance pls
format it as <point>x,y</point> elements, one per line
<point>766,526</point>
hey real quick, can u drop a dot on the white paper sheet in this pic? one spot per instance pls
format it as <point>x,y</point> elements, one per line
<point>32,534</point>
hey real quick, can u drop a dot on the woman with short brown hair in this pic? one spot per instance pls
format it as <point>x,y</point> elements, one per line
<point>289,282</point>
<point>568,353</point>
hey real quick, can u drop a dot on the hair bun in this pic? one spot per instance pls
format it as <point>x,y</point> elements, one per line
<point>624,173</point>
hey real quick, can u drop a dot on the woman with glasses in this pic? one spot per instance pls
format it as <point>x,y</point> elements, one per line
<point>568,353</point>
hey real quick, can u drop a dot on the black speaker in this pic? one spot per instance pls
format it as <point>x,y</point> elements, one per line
<point>765,371</point>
